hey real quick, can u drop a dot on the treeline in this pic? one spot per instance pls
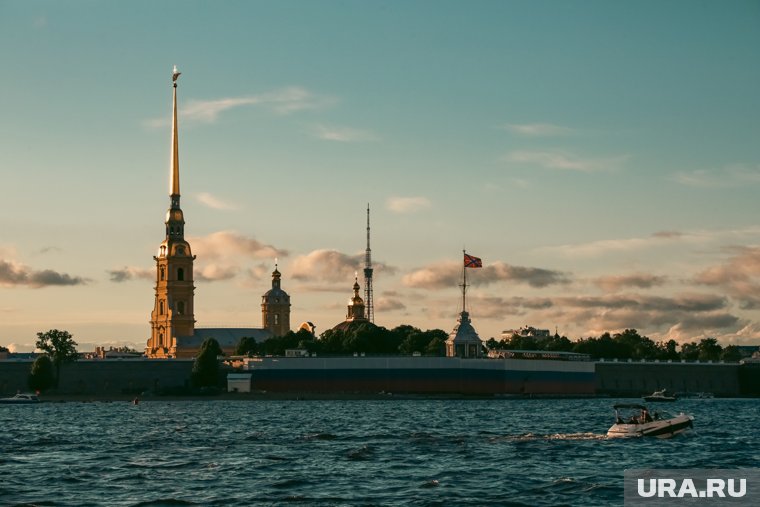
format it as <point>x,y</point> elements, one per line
<point>626,345</point>
<point>359,338</point>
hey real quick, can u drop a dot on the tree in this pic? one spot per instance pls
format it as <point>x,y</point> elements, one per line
<point>42,375</point>
<point>709,349</point>
<point>246,346</point>
<point>61,348</point>
<point>206,367</point>
<point>731,354</point>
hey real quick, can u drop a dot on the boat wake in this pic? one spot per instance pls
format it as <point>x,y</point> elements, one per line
<point>528,437</point>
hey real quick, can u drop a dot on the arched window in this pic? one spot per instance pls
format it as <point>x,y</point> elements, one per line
<point>163,273</point>
<point>181,307</point>
<point>180,274</point>
<point>276,319</point>
<point>160,307</point>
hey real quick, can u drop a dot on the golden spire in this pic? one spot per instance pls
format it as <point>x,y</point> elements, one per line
<point>174,183</point>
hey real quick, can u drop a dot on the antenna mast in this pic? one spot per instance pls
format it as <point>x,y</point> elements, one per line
<point>368,299</point>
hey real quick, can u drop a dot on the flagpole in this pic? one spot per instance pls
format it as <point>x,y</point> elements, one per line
<point>464,282</point>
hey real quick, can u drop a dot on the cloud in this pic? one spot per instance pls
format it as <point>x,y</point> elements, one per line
<point>639,280</point>
<point>212,202</point>
<point>448,274</point>
<point>538,129</point>
<point>283,101</point>
<point>230,244</point>
<point>566,161</point>
<point>407,204</point>
<point>667,234</point>
<point>343,134</point>
<point>724,177</point>
<point>327,265</point>
<point>223,255</point>
<point>49,249</point>
<point>14,274</point>
<point>385,304</point>
<point>215,273</point>
<point>739,277</point>
<point>694,313</point>
<point>131,273</point>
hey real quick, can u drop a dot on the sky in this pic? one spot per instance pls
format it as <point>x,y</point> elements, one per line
<point>602,158</point>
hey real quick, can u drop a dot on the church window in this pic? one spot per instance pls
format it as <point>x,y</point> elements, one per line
<point>276,319</point>
<point>160,307</point>
<point>163,273</point>
<point>180,274</point>
<point>181,307</point>
<point>276,300</point>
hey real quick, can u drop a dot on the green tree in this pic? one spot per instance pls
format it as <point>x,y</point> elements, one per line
<point>246,346</point>
<point>206,366</point>
<point>731,354</point>
<point>61,348</point>
<point>690,351</point>
<point>42,375</point>
<point>709,349</point>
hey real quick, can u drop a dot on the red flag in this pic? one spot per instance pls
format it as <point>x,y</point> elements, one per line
<point>472,262</point>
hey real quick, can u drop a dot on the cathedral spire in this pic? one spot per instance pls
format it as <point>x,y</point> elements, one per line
<point>174,182</point>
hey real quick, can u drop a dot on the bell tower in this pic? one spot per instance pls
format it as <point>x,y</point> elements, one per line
<point>172,314</point>
<point>275,307</point>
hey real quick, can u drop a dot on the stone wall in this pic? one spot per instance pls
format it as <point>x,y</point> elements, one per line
<point>636,378</point>
<point>117,376</point>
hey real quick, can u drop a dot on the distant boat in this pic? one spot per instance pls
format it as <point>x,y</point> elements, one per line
<point>19,399</point>
<point>632,420</point>
<point>660,396</point>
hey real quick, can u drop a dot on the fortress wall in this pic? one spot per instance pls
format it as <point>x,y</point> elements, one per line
<point>636,379</point>
<point>103,376</point>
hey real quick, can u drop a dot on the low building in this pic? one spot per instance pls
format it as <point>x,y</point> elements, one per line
<point>239,382</point>
<point>526,332</point>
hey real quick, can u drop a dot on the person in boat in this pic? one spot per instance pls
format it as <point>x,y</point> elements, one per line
<point>645,417</point>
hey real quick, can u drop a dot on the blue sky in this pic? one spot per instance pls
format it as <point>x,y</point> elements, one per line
<point>601,157</point>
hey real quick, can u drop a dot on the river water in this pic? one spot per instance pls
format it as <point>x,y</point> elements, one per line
<point>380,452</point>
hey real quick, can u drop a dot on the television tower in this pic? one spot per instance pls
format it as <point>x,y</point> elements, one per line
<point>368,299</point>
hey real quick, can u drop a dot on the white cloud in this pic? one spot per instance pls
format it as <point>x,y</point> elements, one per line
<point>566,161</point>
<point>407,204</point>
<point>725,177</point>
<point>212,202</point>
<point>538,129</point>
<point>231,245</point>
<point>343,134</point>
<point>284,101</point>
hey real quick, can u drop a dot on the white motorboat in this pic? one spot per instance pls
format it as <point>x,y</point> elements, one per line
<point>660,396</point>
<point>20,398</point>
<point>633,420</point>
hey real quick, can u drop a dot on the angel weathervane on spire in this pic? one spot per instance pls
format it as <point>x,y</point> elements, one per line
<point>175,75</point>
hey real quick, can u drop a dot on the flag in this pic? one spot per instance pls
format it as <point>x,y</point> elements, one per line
<point>472,262</point>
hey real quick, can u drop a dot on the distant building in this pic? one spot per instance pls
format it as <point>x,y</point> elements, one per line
<point>355,314</point>
<point>275,307</point>
<point>525,332</point>
<point>464,341</point>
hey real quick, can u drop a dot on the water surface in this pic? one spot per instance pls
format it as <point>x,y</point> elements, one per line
<point>382,452</point>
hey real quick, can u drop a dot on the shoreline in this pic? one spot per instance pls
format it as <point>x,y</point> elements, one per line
<point>293,396</point>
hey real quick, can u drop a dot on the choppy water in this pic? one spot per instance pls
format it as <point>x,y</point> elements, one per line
<point>385,452</point>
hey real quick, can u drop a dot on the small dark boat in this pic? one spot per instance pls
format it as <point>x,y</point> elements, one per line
<point>19,399</point>
<point>660,396</point>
